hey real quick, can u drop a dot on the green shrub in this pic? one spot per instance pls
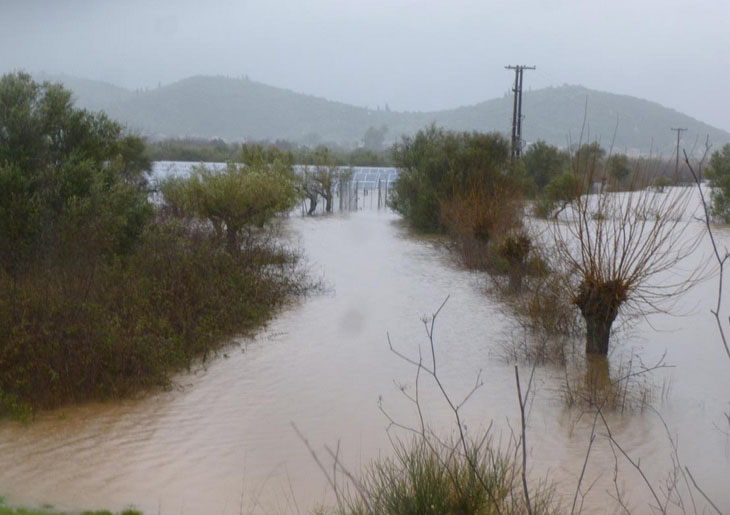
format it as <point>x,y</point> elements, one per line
<point>719,175</point>
<point>421,478</point>
<point>436,166</point>
<point>236,200</point>
<point>113,328</point>
<point>61,168</point>
<point>558,194</point>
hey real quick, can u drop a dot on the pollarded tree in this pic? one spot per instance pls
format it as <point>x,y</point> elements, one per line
<point>619,251</point>
<point>719,175</point>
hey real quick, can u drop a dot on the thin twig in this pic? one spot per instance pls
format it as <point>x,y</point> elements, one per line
<point>522,402</point>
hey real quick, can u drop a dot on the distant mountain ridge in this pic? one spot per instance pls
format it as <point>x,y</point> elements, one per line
<point>242,109</point>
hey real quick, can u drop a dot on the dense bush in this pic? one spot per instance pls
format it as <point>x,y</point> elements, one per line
<point>465,185</point>
<point>98,296</point>
<point>437,167</point>
<point>63,168</point>
<point>719,175</point>
<point>544,162</point>
<point>111,329</point>
<point>237,200</point>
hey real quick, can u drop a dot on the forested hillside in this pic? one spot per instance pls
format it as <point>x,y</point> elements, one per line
<point>242,109</point>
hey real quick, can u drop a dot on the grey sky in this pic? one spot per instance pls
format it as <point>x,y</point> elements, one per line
<point>410,54</point>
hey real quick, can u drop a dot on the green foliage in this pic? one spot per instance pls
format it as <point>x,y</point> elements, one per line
<point>662,182</point>
<point>61,168</point>
<point>98,298</point>
<point>111,329</point>
<point>421,479</point>
<point>48,510</point>
<point>240,198</point>
<point>262,156</point>
<point>587,158</point>
<point>718,174</point>
<point>544,162</point>
<point>560,192</point>
<point>193,150</point>
<point>618,168</point>
<point>435,165</point>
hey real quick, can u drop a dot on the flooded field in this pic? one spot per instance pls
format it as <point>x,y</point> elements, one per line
<point>222,440</point>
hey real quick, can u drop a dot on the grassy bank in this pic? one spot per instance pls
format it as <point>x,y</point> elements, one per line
<point>48,510</point>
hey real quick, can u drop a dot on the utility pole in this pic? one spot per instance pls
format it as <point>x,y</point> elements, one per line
<point>676,165</point>
<point>517,109</point>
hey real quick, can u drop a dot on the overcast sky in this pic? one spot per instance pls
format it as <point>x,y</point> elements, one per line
<point>409,54</point>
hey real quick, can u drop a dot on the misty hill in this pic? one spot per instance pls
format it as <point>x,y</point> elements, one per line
<point>89,94</point>
<point>241,109</point>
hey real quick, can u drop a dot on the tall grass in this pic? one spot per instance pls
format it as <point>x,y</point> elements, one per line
<point>421,478</point>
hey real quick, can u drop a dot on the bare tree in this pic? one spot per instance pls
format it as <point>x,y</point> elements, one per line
<point>618,252</point>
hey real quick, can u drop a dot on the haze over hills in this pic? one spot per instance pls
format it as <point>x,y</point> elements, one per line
<point>242,109</point>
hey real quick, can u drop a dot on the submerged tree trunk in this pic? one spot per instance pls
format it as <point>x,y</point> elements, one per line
<point>597,380</point>
<point>312,204</point>
<point>599,304</point>
<point>328,203</point>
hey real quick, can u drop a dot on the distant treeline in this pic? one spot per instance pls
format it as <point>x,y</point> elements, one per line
<point>201,150</point>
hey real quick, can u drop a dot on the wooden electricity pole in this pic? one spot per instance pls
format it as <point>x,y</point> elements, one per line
<point>517,109</point>
<point>676,165</point>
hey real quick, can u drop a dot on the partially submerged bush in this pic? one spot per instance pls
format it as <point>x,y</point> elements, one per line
<point>437,166</point>
<point>98,298</point>
<point>117,328</point>
<point>545,321</point>
<point>476,220</point>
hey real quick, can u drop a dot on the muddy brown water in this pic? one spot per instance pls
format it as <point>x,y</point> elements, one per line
<point>222,441</point>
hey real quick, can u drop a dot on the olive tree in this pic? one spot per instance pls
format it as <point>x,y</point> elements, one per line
<point>619,251</point>
<point>235,201</point>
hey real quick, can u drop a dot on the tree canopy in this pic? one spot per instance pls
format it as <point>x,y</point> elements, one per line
<point>65,169</point>
<point>719,175</point>
<point>436,164</point>
<point>239,198</point>
<point>543,162</point>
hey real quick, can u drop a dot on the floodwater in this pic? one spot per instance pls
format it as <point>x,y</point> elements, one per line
<point>222,440</point>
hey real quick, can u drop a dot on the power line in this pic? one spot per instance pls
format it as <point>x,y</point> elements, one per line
<point>676,165</point>
<point>517,109</point>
